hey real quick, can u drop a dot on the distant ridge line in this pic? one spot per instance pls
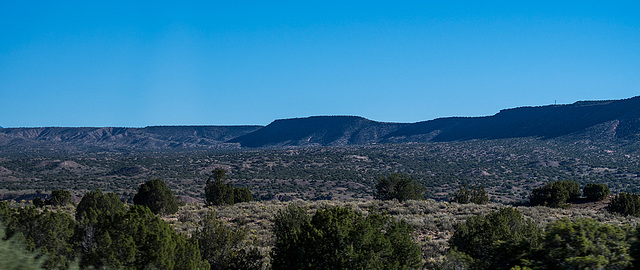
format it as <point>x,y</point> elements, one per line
<point>612,120</point>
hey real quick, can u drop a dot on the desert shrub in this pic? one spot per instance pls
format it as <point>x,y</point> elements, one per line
<point>627,204</point>
<point>242,194</point>
<point>136,239</point>
<point>225,248</point>
<point>340,238</point>
<point>14,254</point>
<point>634,251</point>
<point>476,194</point>
<point>499,240</point>
<point>555,194</point>
<point>217,192</point>
<point>49,233</point>
<point>596,192</point>
<point>585,244</point>
<point>5,211</point>
<point>38,202</point>
<point>59,197</point>
<point>400,187</point>
<point>96,203</point>
<point>157,196</point>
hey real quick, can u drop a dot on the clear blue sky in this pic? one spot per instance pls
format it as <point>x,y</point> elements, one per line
<point>66,63</point>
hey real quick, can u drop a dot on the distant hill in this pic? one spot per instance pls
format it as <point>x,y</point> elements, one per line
<point>155,137</point>
<point>618,119</point>
<point>602,120</point>
<point>318,130</point>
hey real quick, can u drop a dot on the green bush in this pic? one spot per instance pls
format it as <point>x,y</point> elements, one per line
<point>340,238</point>
<point>400,187</point>
<point>585,244</point>
<point>96,203</point>
<point>476,195</point>
<point>60,197</point>
<point>157,196</point>
<point>627,204</point>
<point>217,192</point>
<point>136,239</point>
<point>5,211</point>
<point>38,202</point>
<point>499,240</point>
<point>14,254</point>
<point>555,194</point>
<point>596,192</point>
<point>242,194</point>
<point>225,248</point>
<point>49,233</point>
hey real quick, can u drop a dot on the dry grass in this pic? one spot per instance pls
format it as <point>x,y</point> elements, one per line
<point>433,221</point>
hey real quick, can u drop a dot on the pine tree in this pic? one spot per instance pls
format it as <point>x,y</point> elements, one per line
<point>400,187</point>
<point>216,191</point>
<point>157,196</point>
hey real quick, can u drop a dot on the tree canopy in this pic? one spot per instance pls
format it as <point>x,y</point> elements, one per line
<point>224,247</point>
<point>96,203</point>
<point>157,196</point>
<point>60,197</point>
<point>499,240</point>
<point>340,238</point>
<point>585,244</point>
<point>217,192</point>
<point>400,187</point>
<point>627,204</point>
<point>596,192</point>
<point>475,194</point>
<point>555,194</point>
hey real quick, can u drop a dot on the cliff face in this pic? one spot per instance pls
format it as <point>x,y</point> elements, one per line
<point>318,130</point>
<point>617,119</point>
<point>542,122</point>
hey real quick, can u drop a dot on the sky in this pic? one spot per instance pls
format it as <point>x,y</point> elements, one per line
<point>118,63</point>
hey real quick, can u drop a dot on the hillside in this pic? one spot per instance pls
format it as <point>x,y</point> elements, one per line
<point>318,131</point>
<point>619,117</point>
<point>601,120</point>
<point>159,137</point>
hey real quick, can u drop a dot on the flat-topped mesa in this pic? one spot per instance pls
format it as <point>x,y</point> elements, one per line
<point>602,120</point>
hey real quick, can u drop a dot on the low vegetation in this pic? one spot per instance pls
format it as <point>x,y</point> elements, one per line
<point>104,232</point>
<point>555,194</point>
<point>399,187</point>
<point>340,238</point>
<point>155,195</point>
<point>508,169</point>
<point>596,192</point>
<point>217,192</point>
<point>627,204</point>
<point>474,194</point>
<point>455,205</point>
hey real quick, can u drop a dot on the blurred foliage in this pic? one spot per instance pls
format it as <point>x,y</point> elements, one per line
<point>14,254</point>
<point>585,244</point>
<point>625,204</point>
<point>50,233</point>
<point>500,240</point>
<point>340,238</point>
